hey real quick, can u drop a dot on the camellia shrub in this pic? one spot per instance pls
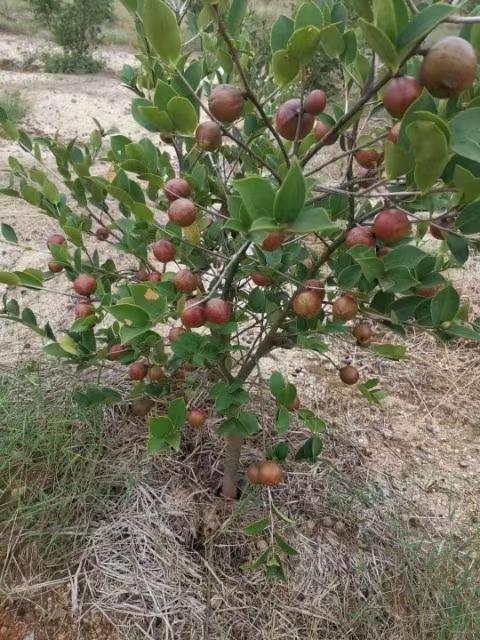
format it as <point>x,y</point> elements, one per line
<point>221,222</point>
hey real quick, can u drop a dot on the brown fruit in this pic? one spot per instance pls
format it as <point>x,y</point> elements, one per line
<point>185,281</point>
<point>218,311</point>
<point>85,285</point>
<point>261,280</point>
<point>116,351</point>
<point>395,133</point>
<point>156,373</point>
<point>55,267</point>
<point>102,234</point>
<point>84,309</point>
<point>270,474</point>
<point>428,292</point>
<point>368,158</point>
<point>142,275</point>
<point>322,128</point>
<point>226,103</point>
<point>208,136</point>
<point>154,276</point>
<point>400,93</point>
<point>175,333</point>
<point>349,375</point>
<point>363,331</point>
<point>287,120</point>
<point>315,102</point>
<point>197,418</point>
<point>391,225</point>
<point>193,315</point>
<point>360,236</point>
<point>449,67</point>
<point>138,371</point>
<point>273,241</point>
<point>345,308</point>
<point>253,472</point>
<point>307,304</point>
<point>164,251</point>
<point>383,251</point>
<point>142,406</point>
<point>295,404</point>
<point>182,212</point>
<point>177,188</point>
<point>315,286</point>
<point>56,238</point>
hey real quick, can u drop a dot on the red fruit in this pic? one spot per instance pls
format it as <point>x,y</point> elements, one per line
<point>315,286</point>
<point>368,158</point>
<point>55,267</point>
<point>175,333</point>
<point>288,117</point>
<point>307,304</point>
<point>154,276</point>
<point>142,407</point>
<point>253,472</point>
<point>182,212</point>
<point>363,331</point>
<point>315,102</point>
<point>261,280</point>
<point>185,281</point>
<point>391,225</point>
<point>85,285</point>
<point>395,133</point>
<point>384,251</point>
<point>226,103</point>
<point>428,292</point>
<point>273,241</point>
<point>142,275</point>
<point>156,373</point>
<point>449,67</point>
<point>400,93</point>
<point>349,375</point>
<point>360,235</point>
<point>270,474</point>
<point>164,251</point>
<point>218,311</point>
<point>345,308</point>
<point>177,188</point>
<point>138,371</point>
<point>116,351</point>
<point>84,309</point>
<point>193,315</point>
<point>322,128</point>
<point>196,418</point>
<point>102,234</point>
<point>55,238</point>
<point>208,136</point>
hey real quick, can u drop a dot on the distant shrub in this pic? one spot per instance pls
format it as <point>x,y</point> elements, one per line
<point>14,105</point>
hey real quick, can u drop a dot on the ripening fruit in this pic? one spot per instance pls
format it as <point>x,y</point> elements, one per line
<point>449,67</point>
<point>226,103</point>
<point>307,304</point>
<point>196,418</point>
<point>273,241</point>
<point>138,371</point>
<point>295,404</point>
<point>368,158</point>
<point>84,309</point>
<point>345,308</point>
<point>154,276</point>
<point>349,375</point>
<point>177,188</point>
<point>261,280</point>
<point>428,292</point>
<point>383,251</point>
<point>156,373</point>
<point>391,225</point>
<point>315,102</point>
<point>55,267</point>
<point>315,286</point>
<point>85,285</point>
<point>175,333</point>
<point>395,133</point>
<point>185,281</point>
<point>270,474</point>
<point>208,136</point>
<point>322,127</point>
<point>360,236</point>
<point>142,407</point>
<point>287,120</point>
<point>164,251</point>
<point>56,238</point>
<point>218,311</point>
<point>102,234</point>
<point>363,331</point>
<point>253,472</point>
<point>193,316</point>
<point>142,275</point>
<point>400,93</point>
<point>116,351</point>
<point>182,212</point>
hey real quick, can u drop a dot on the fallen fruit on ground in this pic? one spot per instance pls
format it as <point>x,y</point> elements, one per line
<point>197,418</point>
<point>253,472</point>
<point>349,375</point>
<point>270,474</point>
<point>141,407</point>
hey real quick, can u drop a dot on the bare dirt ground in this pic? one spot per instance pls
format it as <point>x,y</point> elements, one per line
<point>154,557</point>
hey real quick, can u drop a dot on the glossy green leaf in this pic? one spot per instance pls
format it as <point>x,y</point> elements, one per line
<point>465,132</point>
<point>290,198</point>
<point>257,195</point>
<point>466,183</point>
<point>8,232</point>
<point>421,25</point>
<point>161,29</point>
<point>131,314</point>
<point>282,31</point>
<point>431,152</point>
<point>163,94</point>
<point>177,412</point>
<point>259,526</point>
<point>277,384</point>
<point>285,67</point>
<point>398,161</point>
<point>363,8</point>
<point>385,18</point>
<point>236,16</point>
<point>458,247</point>
<point>283,420</point>
<point>309,14</point>
<point>332,41</point>
<point>304,44</point>
<point>9,278</point>
<point>371,266</point>
<point>183,115</point>
<point>380,43</point>
<point>445,305</point>
<point>310,220</point>
<point>468,221</point>
<point>310,450</point>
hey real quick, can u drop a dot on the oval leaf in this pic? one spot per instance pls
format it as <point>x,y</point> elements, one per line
<point>162,30</point>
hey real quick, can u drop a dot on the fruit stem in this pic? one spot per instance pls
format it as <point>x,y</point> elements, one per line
<point>232,462</point>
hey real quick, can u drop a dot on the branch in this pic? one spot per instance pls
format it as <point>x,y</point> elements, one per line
<point>463,19</point>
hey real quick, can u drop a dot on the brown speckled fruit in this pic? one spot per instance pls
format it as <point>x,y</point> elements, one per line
<point>218,311</point>
<point>55,238</point>
<point>85,285</point>
<point>193,315</point>
<point>261,280</point>
<point>449,67</point>
<point>288,119</point>
<point>138,371</point>
<point>175,333</point>
<point>270,474</point>
<point>102,234</point>
<point>177,188</point>
<point>349,375</point>
<point>182,212</point>
<point>315,102</point>
<point>142,406</point>
<point>164,251</point>
<point>84,309</point>
<point>208,136</point>
<point>185,281</point>
<point>345,308</point>
<point>368,158</point>
<point>55,267</point>
<point>307,304</point>
<point>156,373</point>
<point>253,472</point>
<point>360,236</point>
<point>197,418</point>
<point>226,103</point>
<point>363,331</point>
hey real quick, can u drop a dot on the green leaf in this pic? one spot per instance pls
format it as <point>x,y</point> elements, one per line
<point>309,14</point>
<point>290,198</point>
<point>257,300</point>
<point>156,119</point>
<point>183,115</point>
<point>380,43</point>
<point>468,221</point>
<point>363,8</point>
<point>281,450</point>
<point>163,94</point>
<point>95,396</point>
<point>464,332</point>
<point>310,220</point>
<point>403,256</point>
<point>131,314</point>
<point>177,412</point>
<point>390,351</point>
<point>236,16</point>
<point>332,41</point>
<point>277,385</point>
<point>248,422</point>
<point>385,18</point>
<point>257,527</point>
<point>50,192</point>
<point>371,391</point>
<point>8,233</point>
<point>458,246</point>
<point>310,450</point>
<point>304,44</point>
<point>285,67</point>
<point>9,278</point>
<point>372,267</point>
<point>465,134</point>
<point>420,25</point>
<point>283,420</point>
<point>161,29</point>
<point>311,421</point>
<point>424,103</point>
<point>445,305</point>
<point>284,546</point>
<point>282,31</point>
<point>68,344</point>
<point>257,195</point>
<point>466,183</point>
<point>398,161</point>
<point>430,148</point>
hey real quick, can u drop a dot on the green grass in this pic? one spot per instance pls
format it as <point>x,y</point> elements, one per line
<point>14,106</point>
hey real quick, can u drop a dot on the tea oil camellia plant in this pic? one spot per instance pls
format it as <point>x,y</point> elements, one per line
<point>227,223</point>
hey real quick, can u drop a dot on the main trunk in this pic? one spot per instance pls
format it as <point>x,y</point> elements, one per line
<point>232,461</point>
